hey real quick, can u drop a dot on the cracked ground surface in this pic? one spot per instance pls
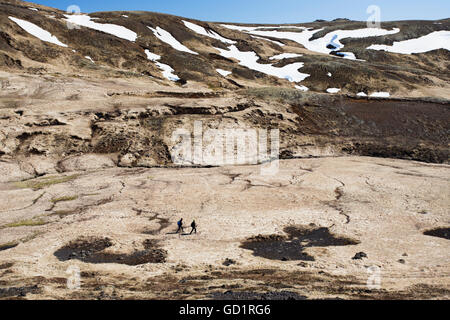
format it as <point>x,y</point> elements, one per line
<point>384,206</point>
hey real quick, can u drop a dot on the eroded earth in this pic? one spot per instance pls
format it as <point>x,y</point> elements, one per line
<point>293,235</point>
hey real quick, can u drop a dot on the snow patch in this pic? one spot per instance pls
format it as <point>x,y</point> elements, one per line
<point>167,70</point>
<point>152,56</point>
<point>166,37</point>
<point>361,94</point>
<point>224,73</point>
<point>285,56</point>
<point>250,29</point>
<point>90,59</point>
<point>380,95</point>
<point>328,43</point>
<point>115,30</point>
<point>348,55</point>
<point>208,33</point>
<point>433,41</point>
<point>302,88</point>
<point>333,90</point>
<point>38,32</point>
<point>250,60</point>
<point>329,74</point>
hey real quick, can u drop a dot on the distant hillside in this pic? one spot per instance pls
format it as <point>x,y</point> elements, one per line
<point>313,56</point>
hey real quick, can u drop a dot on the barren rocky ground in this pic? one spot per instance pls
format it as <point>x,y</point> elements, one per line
<point>291,235</point>
<point>88,183</point>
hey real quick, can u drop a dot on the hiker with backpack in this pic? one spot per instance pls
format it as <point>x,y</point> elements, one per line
<point>180,226</point>
<point>194,227</point>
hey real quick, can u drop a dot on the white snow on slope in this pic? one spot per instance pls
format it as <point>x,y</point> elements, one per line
<point>362,94</point>
<point>224,73</point>
<point>299,37</point>
<point>208,33</point>
<point>348,55</point>
<point>433,41</point>
<point>166,37</point>
<point>34,9</point>
<point>250,60</point>
<point>320,44</point>
<point>333,90</point>
<point>285,56</point>
<point>329,74</point>
<point>38,32</point>
<point>380,95</point>
<point>249,29</point>
<point>302,88</point>
<point>115,30</point>
<point>333,38</point>
<point>90,59</point>
<point>166,69</point>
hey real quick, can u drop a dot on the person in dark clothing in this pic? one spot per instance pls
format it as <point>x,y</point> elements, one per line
<point>180,226</point>
<point>194,227</point>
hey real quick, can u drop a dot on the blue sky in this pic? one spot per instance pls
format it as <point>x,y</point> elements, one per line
<point>269,11</point>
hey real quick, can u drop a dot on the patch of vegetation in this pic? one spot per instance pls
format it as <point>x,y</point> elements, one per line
<point>214,87</point>
<point>9,104</point>
<point>87,64</point>
<point>439,232</point>
<point>276,93</point>
<point>73,97</point>
<point>8,245</point>
<point>32,236</point>
<point>13,244</point>
<point>64,199</point>
<point>129,74</point>
<point>6,265</point>
<point>25,223</point>
<point>37,184</point>
<point>63,213</point>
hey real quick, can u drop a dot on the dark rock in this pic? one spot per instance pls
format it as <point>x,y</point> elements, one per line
<point>360,256</point>
<point>228,262</point>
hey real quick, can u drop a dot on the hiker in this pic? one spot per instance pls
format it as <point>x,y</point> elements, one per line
<point>180,226</point>
<point>194,227</point>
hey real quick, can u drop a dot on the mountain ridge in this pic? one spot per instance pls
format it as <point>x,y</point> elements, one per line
<point>123,84</point>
